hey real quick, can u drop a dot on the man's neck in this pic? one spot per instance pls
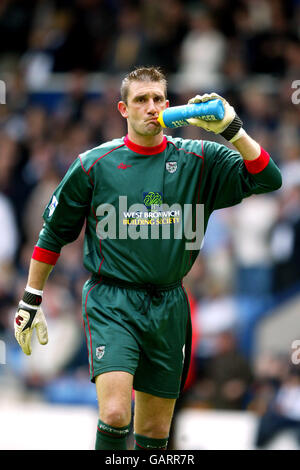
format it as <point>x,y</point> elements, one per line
<point>145,141</point>
<point>145,149</point>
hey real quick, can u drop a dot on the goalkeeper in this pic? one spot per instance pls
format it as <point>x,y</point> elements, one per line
<point>135,310</point>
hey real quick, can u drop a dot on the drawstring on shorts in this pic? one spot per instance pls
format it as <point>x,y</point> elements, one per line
<point>152,290</point>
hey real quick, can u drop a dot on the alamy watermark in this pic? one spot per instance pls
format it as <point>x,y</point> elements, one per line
<point>2,352</point>
<point>296,93</point>
<point>152,221</point>
<point>2,92</point>
<point>2,343</point>
<point>295,357</point>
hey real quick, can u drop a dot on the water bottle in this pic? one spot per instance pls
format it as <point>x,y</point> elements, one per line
<point>212,110</point>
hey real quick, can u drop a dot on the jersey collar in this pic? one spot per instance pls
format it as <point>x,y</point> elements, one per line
<point>145,150</point>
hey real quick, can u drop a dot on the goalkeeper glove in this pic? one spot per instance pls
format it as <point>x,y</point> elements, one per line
<point>230,127</point>
<point>29,316</point>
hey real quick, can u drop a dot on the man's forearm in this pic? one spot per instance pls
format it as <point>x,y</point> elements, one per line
<point>247,147</point>
<point>38,274</point>
<point>259,164</point>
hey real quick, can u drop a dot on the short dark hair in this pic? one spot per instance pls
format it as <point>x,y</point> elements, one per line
<point>142,74</point>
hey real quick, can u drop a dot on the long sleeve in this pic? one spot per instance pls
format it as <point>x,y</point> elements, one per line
<point>68,207</point>
<point>229,179</point>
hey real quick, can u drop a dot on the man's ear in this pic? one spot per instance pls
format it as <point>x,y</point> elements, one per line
<point>167,104</point>
<point>123,109</point>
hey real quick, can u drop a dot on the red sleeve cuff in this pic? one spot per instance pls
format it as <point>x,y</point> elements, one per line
<point>259,164</point>
<point>46,256</point>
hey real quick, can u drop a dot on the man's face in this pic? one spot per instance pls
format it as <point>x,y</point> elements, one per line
<point>145,101</point>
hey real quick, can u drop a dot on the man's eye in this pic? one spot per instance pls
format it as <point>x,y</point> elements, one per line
<point>141,99</point>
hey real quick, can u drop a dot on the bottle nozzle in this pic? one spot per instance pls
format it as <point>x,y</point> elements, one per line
<point>160,119</point>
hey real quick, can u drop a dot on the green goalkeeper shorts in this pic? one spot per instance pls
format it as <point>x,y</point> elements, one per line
<point>138,330</point>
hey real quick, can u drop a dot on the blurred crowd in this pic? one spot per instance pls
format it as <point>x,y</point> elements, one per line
<point>246,50</point>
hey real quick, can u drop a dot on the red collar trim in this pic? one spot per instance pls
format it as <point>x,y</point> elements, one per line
<point>146,150</point>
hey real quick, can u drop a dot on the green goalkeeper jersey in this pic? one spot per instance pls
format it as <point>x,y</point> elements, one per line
<point>144,205</point>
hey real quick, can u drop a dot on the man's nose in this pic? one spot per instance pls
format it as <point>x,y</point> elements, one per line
<point>151,106</point>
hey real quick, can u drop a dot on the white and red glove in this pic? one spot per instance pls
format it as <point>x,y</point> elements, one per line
<point>230,127</point>
<point>28,317</point>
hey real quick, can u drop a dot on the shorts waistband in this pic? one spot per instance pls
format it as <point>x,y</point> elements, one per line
<point>151,288</point>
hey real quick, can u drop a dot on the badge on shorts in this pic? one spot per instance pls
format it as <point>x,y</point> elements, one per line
<point>171,167</point>
<point>100,352</point>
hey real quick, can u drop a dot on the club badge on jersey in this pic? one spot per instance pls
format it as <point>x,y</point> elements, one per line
<point>171,167</point>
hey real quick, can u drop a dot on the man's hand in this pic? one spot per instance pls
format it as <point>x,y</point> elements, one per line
<point>228,127</point>
<point>26,319</point>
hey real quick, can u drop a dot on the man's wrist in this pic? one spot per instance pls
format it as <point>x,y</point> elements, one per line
<point>232,129</point>
<point>32,297</point>
<point>33,290</point>
<point>238,135</point>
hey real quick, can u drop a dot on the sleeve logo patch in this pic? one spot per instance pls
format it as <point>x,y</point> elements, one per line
<point>52,206</point>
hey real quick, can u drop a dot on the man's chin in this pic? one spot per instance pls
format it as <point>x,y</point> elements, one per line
<point>152,130</point>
